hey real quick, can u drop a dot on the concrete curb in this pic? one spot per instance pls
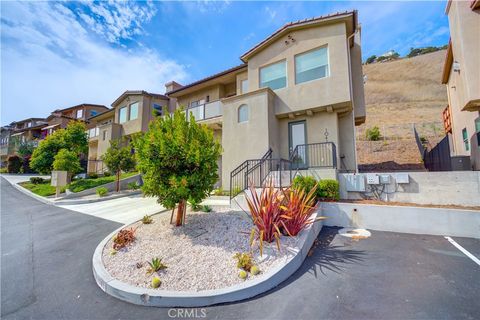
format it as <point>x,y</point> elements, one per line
<point>72,201</point>
<point>418,220</point>
<point>99,199</point>
<point>164,298</point>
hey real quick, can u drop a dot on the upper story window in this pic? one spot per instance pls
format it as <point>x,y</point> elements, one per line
<point>133,111</point>
<point>244,85</point>
<point>29,124</point>
<point>311,65</point>
<point>157,110</point>
<point>93,113</point>
<point>79,113</point>
<point>122,115</point>
<point>466,143</point>
<point>274,76</point>
<point>243,113</point>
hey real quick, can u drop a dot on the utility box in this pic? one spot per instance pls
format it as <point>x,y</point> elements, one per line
<point>373,178</point>
<point>402,178</point>
<point>385,179</point>
<point>355,182</point>
<point>59,178</point>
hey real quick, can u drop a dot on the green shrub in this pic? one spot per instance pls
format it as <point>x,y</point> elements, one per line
<point>37,180</point>
<point>307,183</point>
<point>206,208</point>
<point>147,219</point>
<point>107,174</point>
<point>102,191</point>
<point>3,170</point>
<point>133,185</point>
<point>244,261</point>
<point>219,192</point>
<point>92,175</point>
<point>66,160</point>
<point>14,163</point>
<point>328,189</point>
<point>373,134</point>
<point>195,206</point>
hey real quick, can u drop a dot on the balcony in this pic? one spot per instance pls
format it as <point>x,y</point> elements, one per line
<point>207,111</point>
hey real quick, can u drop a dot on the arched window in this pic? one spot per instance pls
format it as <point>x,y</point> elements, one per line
<point>242,113</point>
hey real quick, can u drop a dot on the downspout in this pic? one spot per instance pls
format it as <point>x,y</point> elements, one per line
<point>352,99</point>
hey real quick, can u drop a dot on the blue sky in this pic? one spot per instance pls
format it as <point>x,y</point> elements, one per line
<point>58,54</point>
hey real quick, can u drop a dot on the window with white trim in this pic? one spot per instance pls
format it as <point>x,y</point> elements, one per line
<point>243,113</point>
<point>311,65</point>
<point>79,113</point>
<point>122,115</point>
<point>133,111</point>
<point>274,75</point>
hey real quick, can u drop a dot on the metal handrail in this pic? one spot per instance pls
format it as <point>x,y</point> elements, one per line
<point>313,155</point>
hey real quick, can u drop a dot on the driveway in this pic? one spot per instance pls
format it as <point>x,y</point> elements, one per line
<point>46,274</point>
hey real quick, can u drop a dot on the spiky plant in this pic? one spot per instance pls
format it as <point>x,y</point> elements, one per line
<point>156,265</point>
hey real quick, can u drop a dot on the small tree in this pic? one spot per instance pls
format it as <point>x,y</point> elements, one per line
<point>73,138</point>
<point>118,159</point>
<point>371,59</point>
<point>14,163</point>
<point>178,159</point>
<point>66,160</point>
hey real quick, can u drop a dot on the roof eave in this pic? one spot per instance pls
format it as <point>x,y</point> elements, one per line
<point>447,66</point>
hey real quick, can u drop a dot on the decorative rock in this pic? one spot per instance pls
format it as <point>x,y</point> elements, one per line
<point>156,282</point>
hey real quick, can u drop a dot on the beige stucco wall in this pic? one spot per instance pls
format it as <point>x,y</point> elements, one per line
<point>465,36</point>
<point>356,68</point>
<point>247,140</point>
<point>329,91</point>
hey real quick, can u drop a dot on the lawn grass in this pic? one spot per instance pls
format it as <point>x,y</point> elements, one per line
<point>84,184</point>
<point>42,189</point>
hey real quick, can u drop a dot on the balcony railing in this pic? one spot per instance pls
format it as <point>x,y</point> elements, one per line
<point>205,111</point>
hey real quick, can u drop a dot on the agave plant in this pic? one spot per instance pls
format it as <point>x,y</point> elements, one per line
<point>298,209</point>
<point>155,265</point>
<point>267,215</point>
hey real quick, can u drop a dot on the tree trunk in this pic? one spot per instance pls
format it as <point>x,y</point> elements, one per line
<point>180,213</point>
<point>118,180</point>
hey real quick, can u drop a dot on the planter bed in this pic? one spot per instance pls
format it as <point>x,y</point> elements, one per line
<point>201,268</point>
<point>199,255</point>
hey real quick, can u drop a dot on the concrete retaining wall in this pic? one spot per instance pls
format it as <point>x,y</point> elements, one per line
<point>110,186</point>
<point>419,220</point>
<point>449,187</point>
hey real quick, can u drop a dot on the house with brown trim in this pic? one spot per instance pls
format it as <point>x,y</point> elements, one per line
<point>461,75</point>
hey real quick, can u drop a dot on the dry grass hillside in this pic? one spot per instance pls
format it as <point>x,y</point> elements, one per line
<point>398,95</point>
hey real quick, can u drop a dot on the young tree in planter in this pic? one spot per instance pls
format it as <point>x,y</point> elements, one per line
<point>73,138</point>
<point>178,159</point>
<point>118,159</point>
<point>66,160</point>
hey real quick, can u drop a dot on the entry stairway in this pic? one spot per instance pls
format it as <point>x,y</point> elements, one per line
<point>305,158</point>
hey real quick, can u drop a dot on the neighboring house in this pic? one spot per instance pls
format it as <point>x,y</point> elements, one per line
<point>298,93</point>
<point>26,131</point>
<point>131,113</point>
<point>6,148</point>
<point>60,118</point>
<point>461,75</point>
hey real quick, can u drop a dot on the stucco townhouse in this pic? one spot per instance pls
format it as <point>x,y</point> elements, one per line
<point>461,75</point>
<point>295,99</point>
<point>131,113</point>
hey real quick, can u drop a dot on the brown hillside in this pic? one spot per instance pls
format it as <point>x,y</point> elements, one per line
<point>398,95</point>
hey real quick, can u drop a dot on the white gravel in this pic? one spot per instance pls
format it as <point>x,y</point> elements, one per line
<point>199,255</point>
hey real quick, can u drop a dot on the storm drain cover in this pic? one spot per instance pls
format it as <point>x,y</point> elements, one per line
<point>354,233</point>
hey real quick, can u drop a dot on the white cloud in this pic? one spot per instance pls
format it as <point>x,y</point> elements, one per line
<point>50,60</point>
<point>271,12</point>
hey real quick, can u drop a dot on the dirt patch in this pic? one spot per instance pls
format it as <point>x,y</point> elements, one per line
<point>407,204</point>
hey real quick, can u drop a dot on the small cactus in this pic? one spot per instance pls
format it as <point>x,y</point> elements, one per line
<point>242,274</point>
<point>254,270</point>
<point>156,282</point>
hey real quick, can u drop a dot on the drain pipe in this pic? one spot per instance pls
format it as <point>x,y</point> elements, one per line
<point>352,99</point>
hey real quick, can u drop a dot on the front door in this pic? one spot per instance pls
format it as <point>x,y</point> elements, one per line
<point>297,137</point>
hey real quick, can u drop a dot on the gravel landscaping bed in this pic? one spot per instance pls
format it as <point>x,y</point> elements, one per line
<point>199,255</point>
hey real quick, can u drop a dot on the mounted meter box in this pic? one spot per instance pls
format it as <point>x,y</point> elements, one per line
<point>384,178</point>
<point>355,182</point>
<point>373,178</point>
<point>402,178</point>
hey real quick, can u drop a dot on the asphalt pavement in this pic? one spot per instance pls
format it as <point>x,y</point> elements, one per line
<point>46,273</point>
